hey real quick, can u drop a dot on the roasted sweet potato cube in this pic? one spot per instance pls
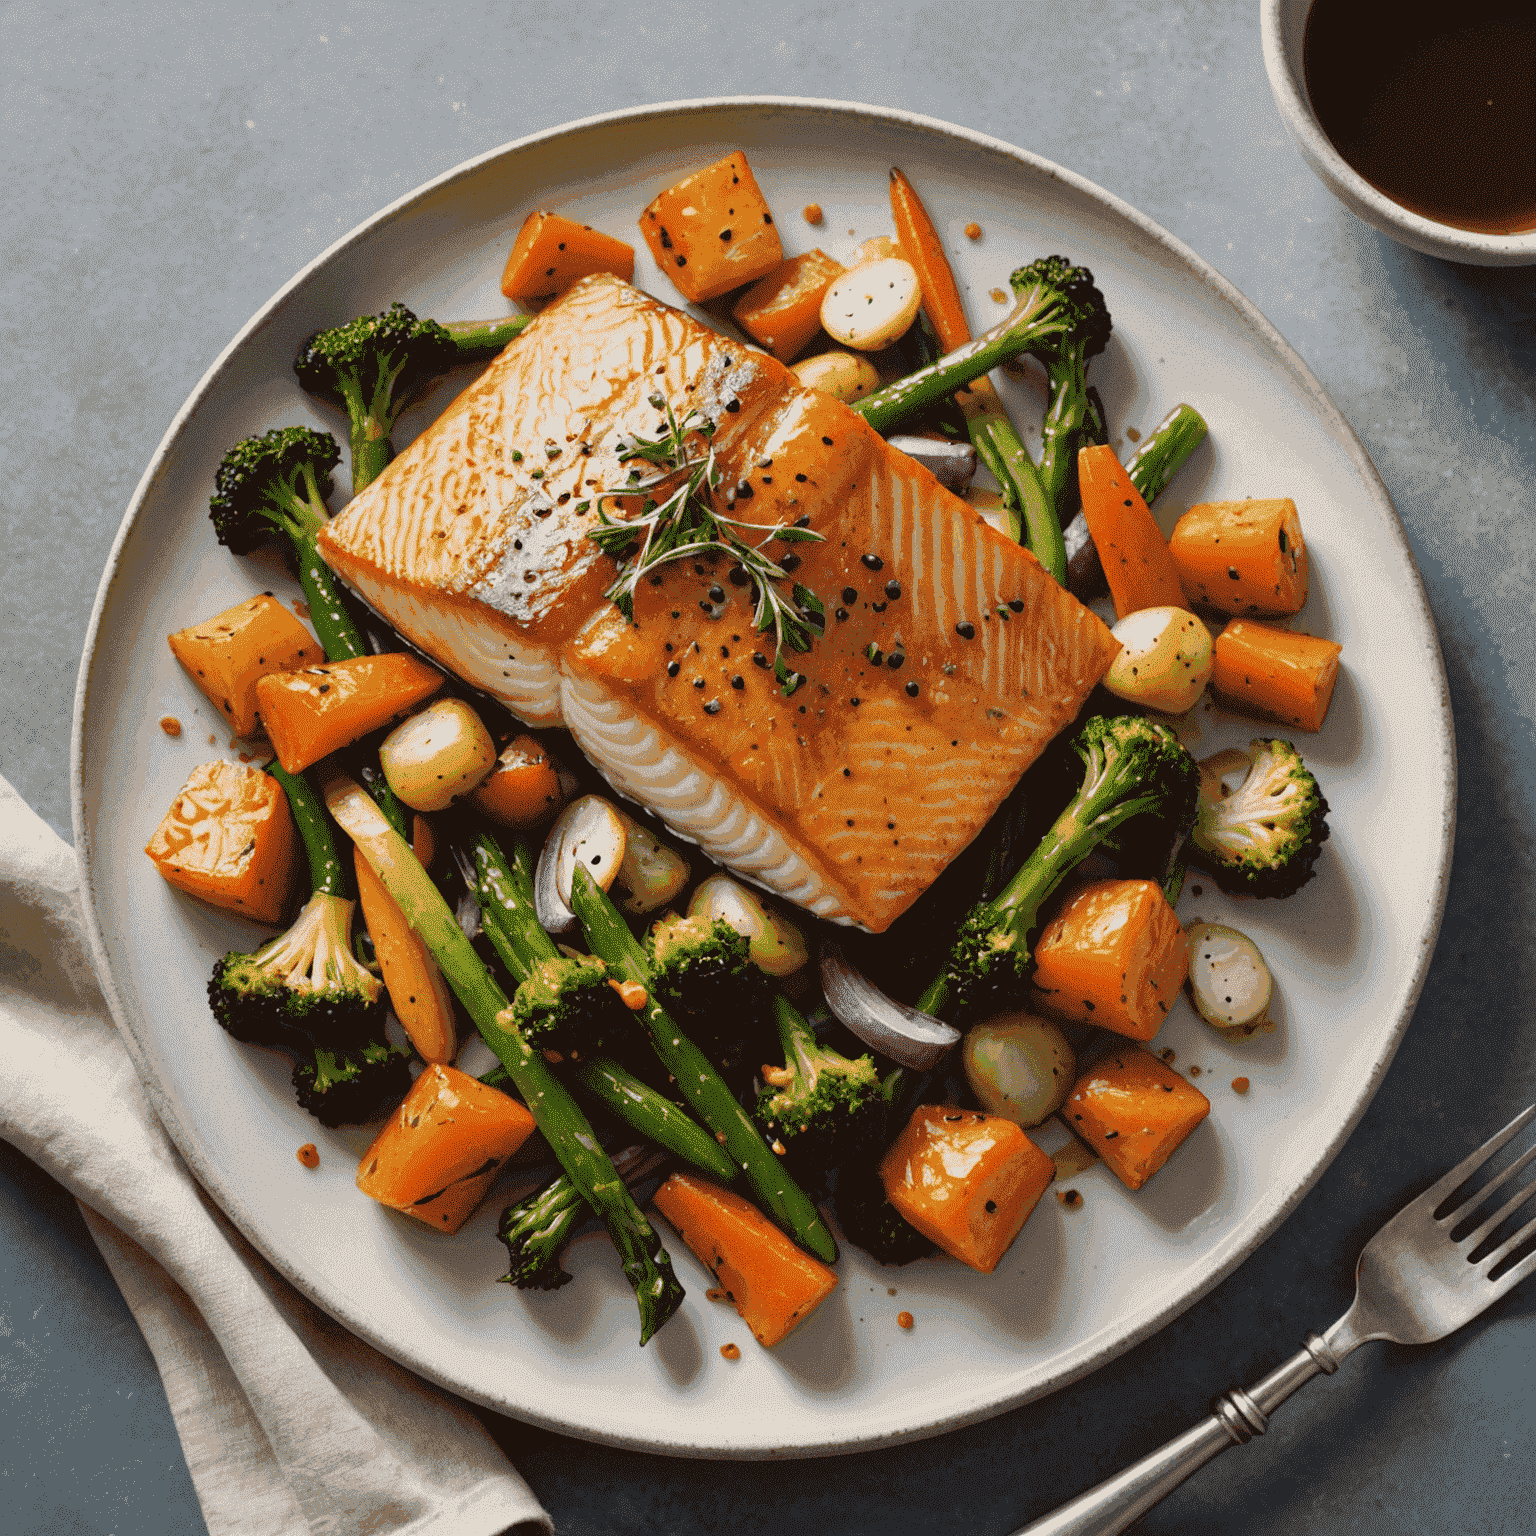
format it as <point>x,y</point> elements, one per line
<point>712,231</point>
<point>773,1285</point>
<point>440,1152</point>
<point>315,711</point>
<point>229,838</point>
<point>782,311</point>
<point>551,252</point>
<point>227,654</point>
<point>966,1180</point>
<point>1114,956</point>
<point>1134,1110</point>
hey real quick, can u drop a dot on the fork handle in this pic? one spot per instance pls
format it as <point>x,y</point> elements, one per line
<point>1236,1417</point>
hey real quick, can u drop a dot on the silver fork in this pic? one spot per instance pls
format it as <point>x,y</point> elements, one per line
<point>1413,1285</point>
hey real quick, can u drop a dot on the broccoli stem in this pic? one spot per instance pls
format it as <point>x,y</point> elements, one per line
<point>477,341</point>
<point>887,408</point>
<point>1061,433</point>
<point>505,893</point>
<point>327,873</point>
<point>372,449</point>
<point>1163,451</point>
<point>796,1036</point>
<point>645,1261</point>
<point>1002,450</point>
<point>699,1083</point>
<point>339,636</point>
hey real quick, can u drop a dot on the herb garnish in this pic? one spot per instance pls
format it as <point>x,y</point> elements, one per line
<point>684,525</point>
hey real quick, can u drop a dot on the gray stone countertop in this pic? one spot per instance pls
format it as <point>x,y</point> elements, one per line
<point>169,165</point>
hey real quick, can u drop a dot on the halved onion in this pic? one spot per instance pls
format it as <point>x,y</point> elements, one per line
<point>652,873</point>
<point>589,829</point>
<point>908,1036</point>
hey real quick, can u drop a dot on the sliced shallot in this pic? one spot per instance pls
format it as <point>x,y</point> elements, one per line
<point>908,1036</point>
<point>589,829</point>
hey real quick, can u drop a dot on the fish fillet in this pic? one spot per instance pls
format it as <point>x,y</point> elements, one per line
<point>949,660</point>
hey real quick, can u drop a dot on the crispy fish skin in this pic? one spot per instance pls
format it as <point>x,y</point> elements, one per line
<point>950,657</point>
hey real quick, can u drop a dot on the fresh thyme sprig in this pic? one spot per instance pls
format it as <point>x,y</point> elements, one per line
<point>683,524</point>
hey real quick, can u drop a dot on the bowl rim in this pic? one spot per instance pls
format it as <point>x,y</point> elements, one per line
<point>1282,27</point>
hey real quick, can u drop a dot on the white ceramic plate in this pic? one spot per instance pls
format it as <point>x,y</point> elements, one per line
<point>1080,1285</point>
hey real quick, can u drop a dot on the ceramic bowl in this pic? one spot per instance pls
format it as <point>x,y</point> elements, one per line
<point>1284,25</point>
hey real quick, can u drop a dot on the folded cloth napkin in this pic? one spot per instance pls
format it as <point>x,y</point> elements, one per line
<point>289,1424</point>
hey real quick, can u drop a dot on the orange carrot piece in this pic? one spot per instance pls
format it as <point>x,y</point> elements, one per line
<point>966,1180</point>
<point>1276,674</point>
<point>318,710</point>
<point>1242,556</point>
<point>440,1152</point>
<point>1114,956</point>
<point>227,654</point>
<point>921,246</point>
<point>229,838</point>
<point>712,231</point>
<point>783,310</point>
<point>1137,565</point>
<point>552,252</point>
<point>417,991</point>
<point>773,1285</point>
<point>523,789</point>
<point>1134,1111</point>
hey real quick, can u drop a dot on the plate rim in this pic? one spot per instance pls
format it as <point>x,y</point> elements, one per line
<point>228,1200</point>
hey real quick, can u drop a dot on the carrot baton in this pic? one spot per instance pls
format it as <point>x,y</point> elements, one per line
<point>1137,565</point>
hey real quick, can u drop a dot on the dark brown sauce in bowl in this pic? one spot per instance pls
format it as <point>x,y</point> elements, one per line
<point>1433,105</point>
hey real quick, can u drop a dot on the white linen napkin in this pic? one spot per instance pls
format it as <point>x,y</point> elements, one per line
<point>291,1427</point>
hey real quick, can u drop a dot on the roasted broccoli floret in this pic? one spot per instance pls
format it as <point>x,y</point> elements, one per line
<point>1072,418</point>
<point>821,1108</point>
<point>307,992</point>
<point>275,485</point>
<point>1131,766</point>
<point>1263,839</point>
<point>702,973</point>
<point>536,1231</point>
<point>1055,302</point>
<point>304,989</point>
<point>869,1220</point>
<point>570,1006</point>
<point>373,367</point>
<point>347,1087</point>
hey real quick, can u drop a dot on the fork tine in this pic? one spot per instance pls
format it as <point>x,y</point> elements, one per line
<point>1472,1239</point>
<point>1469,1165</point>
<point>1508,1246</point>
<point>1512,1277</point>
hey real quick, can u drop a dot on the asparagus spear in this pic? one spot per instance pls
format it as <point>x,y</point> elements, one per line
<point>646,1263</point>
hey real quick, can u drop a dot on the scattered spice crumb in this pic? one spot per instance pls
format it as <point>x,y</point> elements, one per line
<point>309,1155</point>
<point>890,1290</point>
<point>731,1351</point>
<point>1239,1085</point>
<point>211,738</point>
<point>1133,434</point>
<point>813,213</point>
<point>1194,1071</point>
<point>1069,1198</point>
<point>716,1293</point>
<point>853,231</point>
<point>905,1320</point>
<point>632,995</point>
<point>301,608</point>
<point>999,296</point>
<point>1168,1054</point>
<point>170,725</point>
<point>245,757</point>
<point>973,231</point>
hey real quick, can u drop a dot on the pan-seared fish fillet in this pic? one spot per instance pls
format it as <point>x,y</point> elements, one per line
<point>949,660</point>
